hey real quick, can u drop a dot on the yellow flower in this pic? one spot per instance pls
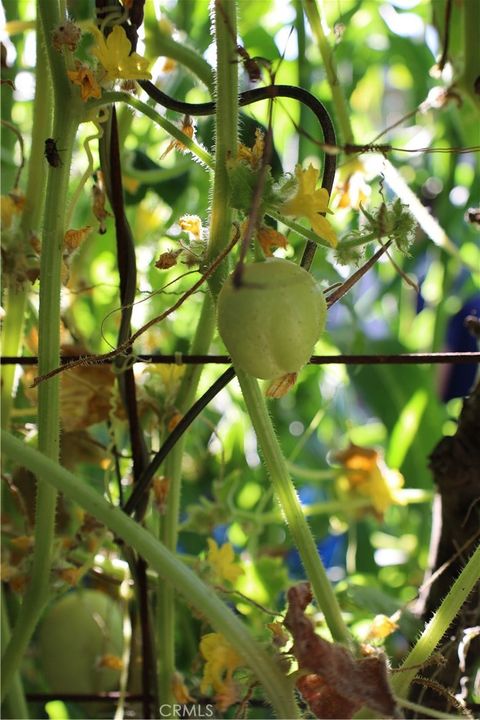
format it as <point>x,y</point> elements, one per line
<point>84,77</point>
<point>191,224</point>
<point>381,627</point>
<point>309,202</point>
<point>222,561</point>
<point>222,661</point>
<point>353,191</point>
<point>365,474</point>
<point>114,55</point>
<point>171,374</point>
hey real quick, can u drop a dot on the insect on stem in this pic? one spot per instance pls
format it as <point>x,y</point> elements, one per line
<point>52,154</point>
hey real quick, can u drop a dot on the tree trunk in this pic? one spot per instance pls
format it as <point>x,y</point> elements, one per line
<point>455,464</point>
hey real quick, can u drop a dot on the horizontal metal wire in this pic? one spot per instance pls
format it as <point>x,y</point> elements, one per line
<point>454,358</point>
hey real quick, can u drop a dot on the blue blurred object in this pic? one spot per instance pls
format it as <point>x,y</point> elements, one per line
<point>332,550</point>
<point>458,379</point>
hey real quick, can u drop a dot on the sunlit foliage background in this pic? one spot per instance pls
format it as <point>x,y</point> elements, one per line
<point>385,52</point>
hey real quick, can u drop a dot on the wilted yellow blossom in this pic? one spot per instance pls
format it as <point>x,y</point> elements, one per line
<point>254,154</point>
<point>180,690</point>
<point>111,662</point>
<point>71,575</point>
<point>270,239</point>
<point>83,77</point>
<point>11,205</point>
<point>22,542</point>
<point>309,202</point>
<point>188,129</point>
<point>160,487</point>
<point>167,259</point>
<point>365,474</point>
<point>74,238</point>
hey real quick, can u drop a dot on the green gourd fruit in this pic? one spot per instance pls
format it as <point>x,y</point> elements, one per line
<point>77,631</point>
<point>270,324</point>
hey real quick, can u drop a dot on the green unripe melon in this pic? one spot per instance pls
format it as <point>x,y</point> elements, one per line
<point>270,324</point>
<point>76,632</point>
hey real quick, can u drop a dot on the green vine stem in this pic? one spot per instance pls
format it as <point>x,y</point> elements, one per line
<point>438,625</point>
<point>469,80</point>
<point>291,508</point>
<point>67,113</point>
<point>162,44</point>
<point>318,23</point>
<point>170,524</point>
<point>114,97</point>
<point>226,130</point>
<point>17,296</point>
<point>15,701</point>
<point>220,228</point>
<point>278,689</point>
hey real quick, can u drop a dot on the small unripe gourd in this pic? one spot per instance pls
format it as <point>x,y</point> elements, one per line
<point>270,324</point>
<point>77,631</point>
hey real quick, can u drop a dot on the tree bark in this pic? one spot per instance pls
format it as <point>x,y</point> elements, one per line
<point>455,464</point>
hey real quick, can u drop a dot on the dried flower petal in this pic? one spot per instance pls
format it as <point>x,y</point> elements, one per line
<point>83,77</point>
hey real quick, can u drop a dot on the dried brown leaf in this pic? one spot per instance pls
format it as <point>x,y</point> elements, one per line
<point>335,683</point>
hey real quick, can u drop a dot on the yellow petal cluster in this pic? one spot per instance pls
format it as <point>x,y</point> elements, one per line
<point>191,224</point>
<point>354,190</point>
<point>381,627</point>
<point>221,662</point>
<point>221,560</point>
<point>114,54</point>
<point>309,202</point>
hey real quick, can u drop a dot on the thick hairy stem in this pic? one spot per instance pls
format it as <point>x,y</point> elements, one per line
<point>66,117</point>
<point>438,625</point>
<point>317,22</point>
<point>278,688</point>
<point>169,528</point>
<point>291,508</point>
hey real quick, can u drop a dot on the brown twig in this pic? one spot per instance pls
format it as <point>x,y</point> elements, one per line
<point>336,295</point>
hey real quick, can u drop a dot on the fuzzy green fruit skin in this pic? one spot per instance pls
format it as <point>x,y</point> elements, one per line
<point>75,633</point>
<point>271,323</point>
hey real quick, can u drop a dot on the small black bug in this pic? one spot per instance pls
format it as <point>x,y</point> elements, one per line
<point>51,153</point>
